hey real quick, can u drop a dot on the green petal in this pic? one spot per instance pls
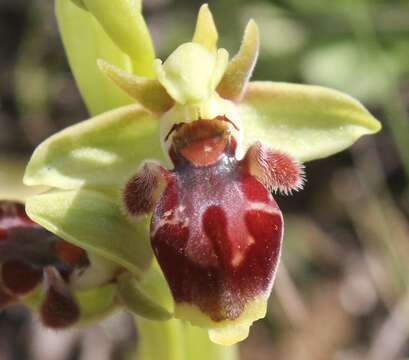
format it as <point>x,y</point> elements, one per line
<point>192,72</point>
<point>238,72</point>
<point>308,122</point>
<point>147,92</point>
<point>133,296</point>
<point>83,48</point>
<point>94,222</point>
<point>123,22</point>
<point>102,151</point>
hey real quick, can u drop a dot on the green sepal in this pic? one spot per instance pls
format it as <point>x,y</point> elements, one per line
<point>122,20</point>
<point>138,301</point>
<point>96,303</point>
<point>94,222</point>
<point>308,122</point>
<point>85,41</point>
<point>103,151</point>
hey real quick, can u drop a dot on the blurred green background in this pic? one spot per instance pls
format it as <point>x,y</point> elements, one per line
<point>342,289</point>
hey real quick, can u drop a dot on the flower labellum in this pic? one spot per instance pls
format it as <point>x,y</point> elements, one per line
<point>216,229</point>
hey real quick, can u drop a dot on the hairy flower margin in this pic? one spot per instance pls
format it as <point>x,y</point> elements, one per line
<point>215,228</point>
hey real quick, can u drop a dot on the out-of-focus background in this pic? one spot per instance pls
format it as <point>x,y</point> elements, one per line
<point>342,289</point>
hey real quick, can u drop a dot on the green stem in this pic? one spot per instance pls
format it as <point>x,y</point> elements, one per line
<point>177,340</point>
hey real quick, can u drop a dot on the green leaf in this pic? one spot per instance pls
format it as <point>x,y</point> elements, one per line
<point>133,296</point>
<point>308,122</point>
<point>102,151</point>
<point>85,41</point>
<point>124,23</point>
<point>94,222</point>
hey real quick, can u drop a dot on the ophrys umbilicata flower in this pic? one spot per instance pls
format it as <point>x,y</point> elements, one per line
<point>202,151</point>
<point>58,279</point>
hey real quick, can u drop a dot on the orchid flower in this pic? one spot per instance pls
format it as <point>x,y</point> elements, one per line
<point>188,172</point>
<point>33,258</point>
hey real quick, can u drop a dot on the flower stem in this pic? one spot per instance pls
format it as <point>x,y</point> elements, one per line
<point>177,340</point>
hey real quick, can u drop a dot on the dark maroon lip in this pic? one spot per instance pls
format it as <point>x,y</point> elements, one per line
<point>199,122</point>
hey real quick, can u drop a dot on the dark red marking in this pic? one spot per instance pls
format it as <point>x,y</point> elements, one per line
<point>20,278</point>
<point>6,298</point>
<point>3,234</point>
<point>70,254</point>
<point>59,308</point>
<point>215,228</point>
<point>261,224</point>
<point>254,190</point>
